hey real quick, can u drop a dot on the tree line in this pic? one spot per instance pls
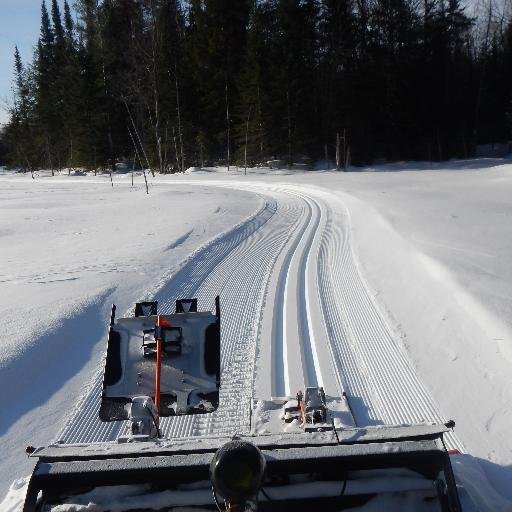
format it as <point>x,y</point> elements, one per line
<point>167,84</point>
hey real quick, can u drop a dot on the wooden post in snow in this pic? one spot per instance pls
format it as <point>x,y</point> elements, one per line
<point>345,155</point>
<point>338,155</point>
<point>246,138</point>
<point>133,167</point>
<point>136,132</point>
<point>70,156</point>
<point>139,158</point>
<point>178,166</point>
<point>178,110</point>
<point>227,123</point>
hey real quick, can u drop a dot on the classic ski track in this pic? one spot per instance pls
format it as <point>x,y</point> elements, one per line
<point>367,361</point>
<point>326,328</point>
<point>282,316</point>
<point>376,370</point>
<point>296,330</point>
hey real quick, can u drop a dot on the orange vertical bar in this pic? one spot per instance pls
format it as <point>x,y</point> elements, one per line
<point>300,405</point>
<point>302,412</point>
<point>158,373</point>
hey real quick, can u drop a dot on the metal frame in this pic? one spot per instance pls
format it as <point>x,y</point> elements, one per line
<point>64,468</point>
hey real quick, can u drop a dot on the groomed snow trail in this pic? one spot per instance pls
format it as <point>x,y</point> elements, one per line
<point>296,312</point>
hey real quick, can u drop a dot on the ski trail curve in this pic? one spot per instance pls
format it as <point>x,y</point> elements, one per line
<point>296,311</point>
<point>296,324</point>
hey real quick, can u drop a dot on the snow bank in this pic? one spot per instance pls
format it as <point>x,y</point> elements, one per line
<point>15,497</point>
<point>194,170</point>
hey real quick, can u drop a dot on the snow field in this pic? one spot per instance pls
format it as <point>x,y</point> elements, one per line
<point>318,287</point>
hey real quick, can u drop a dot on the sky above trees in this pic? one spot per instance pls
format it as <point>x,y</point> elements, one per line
<point>19,25</point>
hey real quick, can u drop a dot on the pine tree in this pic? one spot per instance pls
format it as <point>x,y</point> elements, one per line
<point>252,112</point>
<point>218,43</point>
<point>203,80</point>
<point>69,78</point>
<point>293,86</point>
<point>68,24</point>
<point>61,82</point>
<point>171,76</point>
<point>19,132</point>
<point>47,119</point>
<point>94,140</point>
<point>457,97</point>
<point>57,24</point>
<point>125,60</point>
<point>337,65</point>
<point>195,51</point>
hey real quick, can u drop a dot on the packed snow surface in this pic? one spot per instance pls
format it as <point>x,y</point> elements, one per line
<point>392,285</point>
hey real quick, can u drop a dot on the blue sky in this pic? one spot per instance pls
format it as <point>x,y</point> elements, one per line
<point>19,24</point>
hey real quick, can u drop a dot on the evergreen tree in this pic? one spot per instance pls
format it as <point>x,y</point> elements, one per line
<point>458,94</point>
<point>47,118</point>
<point>124,59</point>
<point>68,24</point>
<point>337,65</point>
<point>171,74</point>
<point>252,114</point>
<point>217,47</point>
<point>204,80</point>
<point>71,87</point>
<point>61,81</point>
<point>94,140</point>
<point>57,24</point>
<point>196,53</point>
<point>4,147</point>
<point>18,134</point>
<point>294,101</point>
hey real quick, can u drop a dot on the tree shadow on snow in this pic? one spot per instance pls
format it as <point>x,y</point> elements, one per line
<point>29,380</point>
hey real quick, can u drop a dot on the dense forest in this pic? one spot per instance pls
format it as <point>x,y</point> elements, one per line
<point>169,84</point>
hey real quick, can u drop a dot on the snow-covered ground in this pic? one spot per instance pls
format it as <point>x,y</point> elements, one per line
<point>394,286</point>
<point>68,250</point>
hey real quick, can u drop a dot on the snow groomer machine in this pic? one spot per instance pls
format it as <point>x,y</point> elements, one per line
<point>300,453</point>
